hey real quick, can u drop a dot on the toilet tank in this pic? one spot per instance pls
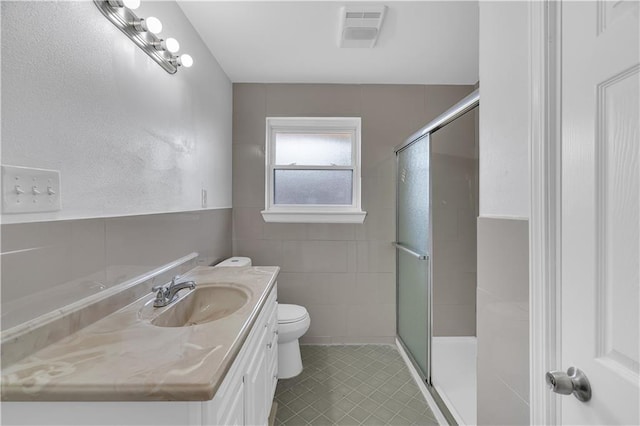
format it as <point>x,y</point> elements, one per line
<point>236,261</point>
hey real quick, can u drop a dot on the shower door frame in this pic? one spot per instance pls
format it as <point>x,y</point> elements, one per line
<point>465,105</point>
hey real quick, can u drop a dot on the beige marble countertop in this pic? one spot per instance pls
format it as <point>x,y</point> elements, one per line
<point>123,357</point>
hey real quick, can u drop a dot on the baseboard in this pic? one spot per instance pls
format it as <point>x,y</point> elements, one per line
<point>422,386</point>
<point>347,340</point>
<point>455,338</point>
<point>272,414</point>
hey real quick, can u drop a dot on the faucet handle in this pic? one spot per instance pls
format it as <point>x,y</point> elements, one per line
<point>158,287</point>
<point>175,279</point>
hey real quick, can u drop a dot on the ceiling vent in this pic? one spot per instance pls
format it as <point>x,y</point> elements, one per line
<point>360,25</point>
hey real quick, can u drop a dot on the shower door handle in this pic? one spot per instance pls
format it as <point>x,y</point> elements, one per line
<point>410,251</point>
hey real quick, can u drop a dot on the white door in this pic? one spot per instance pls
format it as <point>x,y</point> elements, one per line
<point>600,205</point>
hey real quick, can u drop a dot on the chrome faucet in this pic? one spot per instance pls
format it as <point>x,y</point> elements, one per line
<point>166,293</point>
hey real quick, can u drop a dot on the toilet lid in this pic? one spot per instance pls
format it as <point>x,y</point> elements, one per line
<point>290,313</point>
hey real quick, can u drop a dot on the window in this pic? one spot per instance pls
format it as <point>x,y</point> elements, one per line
<point>313,170</point>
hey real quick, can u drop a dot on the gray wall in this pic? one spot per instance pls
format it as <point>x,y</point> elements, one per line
<point>129,139</point>
<point>503,321</point>
<point>49,265</point>
<point>503,268</point>
<point>454,246</point>
<point>343,273</point>
<point>454,167</point>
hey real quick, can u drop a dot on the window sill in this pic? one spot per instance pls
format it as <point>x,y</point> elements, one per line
<point>313,217</point>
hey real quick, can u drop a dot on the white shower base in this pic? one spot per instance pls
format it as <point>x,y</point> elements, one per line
<point>453,374</point>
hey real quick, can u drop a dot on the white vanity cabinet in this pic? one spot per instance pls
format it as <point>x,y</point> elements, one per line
<point>246,394</point>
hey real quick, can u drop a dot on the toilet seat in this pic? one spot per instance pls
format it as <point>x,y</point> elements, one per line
<point>288,314</point>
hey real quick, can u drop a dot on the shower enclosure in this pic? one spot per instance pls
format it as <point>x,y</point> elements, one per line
<point>436,207</point>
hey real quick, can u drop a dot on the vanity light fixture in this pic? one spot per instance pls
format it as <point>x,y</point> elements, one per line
<point>143,32</point>
<point>129,4</point>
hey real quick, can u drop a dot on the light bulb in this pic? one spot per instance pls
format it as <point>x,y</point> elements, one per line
<point>171,44</point>
<point>153,25</point>
<point>131,4</point>
<point>186,60</point>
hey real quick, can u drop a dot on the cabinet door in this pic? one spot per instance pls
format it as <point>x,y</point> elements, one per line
<point>227,407</point>
<point>272,358</point>
<point>233,414</point>
<point>256,383</point>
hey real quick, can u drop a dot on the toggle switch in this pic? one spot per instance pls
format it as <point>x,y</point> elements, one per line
<point>30,190</point>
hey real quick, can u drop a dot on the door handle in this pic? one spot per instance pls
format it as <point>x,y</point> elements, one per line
<point>574,381</point>
<point>408,250</point>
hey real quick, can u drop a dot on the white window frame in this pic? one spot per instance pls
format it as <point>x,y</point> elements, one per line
<point>308,213</point>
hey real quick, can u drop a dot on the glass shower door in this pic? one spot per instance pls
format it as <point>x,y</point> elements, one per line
<point>412,250</point>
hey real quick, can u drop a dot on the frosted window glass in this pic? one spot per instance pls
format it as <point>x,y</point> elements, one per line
<point>332,187</point>
<point>308,149</point>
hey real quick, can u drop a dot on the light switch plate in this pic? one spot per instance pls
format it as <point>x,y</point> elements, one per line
<point>29,190</point>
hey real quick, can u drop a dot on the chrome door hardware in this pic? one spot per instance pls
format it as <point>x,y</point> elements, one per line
<point>410,251</point>
<point>574,381</point>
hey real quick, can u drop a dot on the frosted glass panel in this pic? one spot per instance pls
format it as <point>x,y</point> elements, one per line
<point>413,231</point>
<point>413,307</point>
<point>332,187</point>
<point>413,196</point>
<point>308,149</point>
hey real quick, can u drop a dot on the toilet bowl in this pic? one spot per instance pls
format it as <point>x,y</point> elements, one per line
<point>293,322</point>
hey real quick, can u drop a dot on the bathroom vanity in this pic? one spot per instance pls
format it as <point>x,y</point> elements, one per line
<point>173,365</point>
<point>246,393</point>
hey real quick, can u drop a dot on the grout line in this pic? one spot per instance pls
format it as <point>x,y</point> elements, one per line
<point>348,371</point>
<point>423,388</point>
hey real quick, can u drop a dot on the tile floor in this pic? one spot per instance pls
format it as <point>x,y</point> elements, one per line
<point>351,385</point>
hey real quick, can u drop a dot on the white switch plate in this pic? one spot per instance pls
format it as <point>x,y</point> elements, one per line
<point>28,190</point>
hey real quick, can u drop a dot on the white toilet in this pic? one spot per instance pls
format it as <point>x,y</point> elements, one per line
<point>293,322</point>
<point>235,261</point>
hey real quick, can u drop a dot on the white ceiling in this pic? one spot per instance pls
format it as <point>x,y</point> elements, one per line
<point>421,42</point>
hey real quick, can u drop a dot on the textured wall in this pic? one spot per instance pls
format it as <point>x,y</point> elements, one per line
<point>504,112</point>
<point>343,273</point>
<point>129,138</point>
